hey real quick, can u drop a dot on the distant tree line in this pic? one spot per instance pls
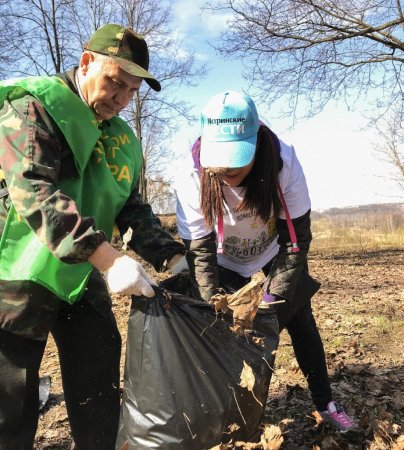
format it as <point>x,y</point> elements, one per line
<point>387,216</point>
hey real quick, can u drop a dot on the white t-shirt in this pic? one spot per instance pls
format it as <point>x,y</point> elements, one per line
<point>248,242</point>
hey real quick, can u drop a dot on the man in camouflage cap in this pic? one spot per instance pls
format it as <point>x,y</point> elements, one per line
<point>69,172</point>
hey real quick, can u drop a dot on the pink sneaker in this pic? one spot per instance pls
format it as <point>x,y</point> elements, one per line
<point>337,417</point>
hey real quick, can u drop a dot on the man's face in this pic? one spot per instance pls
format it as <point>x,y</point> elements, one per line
<point>106,87</point>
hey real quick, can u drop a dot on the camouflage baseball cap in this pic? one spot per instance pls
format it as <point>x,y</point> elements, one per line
<point>127,48</point>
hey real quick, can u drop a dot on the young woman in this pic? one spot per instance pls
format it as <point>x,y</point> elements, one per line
<point>243,206</point>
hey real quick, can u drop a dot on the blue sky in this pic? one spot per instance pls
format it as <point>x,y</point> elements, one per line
<point>334,147</point>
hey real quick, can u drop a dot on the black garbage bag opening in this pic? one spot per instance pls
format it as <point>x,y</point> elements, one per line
<point>184,376</point>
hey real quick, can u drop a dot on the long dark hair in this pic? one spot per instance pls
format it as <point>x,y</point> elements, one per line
<point>261,195</point>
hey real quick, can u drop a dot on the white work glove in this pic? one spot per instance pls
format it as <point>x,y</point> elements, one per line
<point>178,264</point>
<point>127,276</point>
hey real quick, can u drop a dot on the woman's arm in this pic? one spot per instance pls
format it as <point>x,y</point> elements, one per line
<point>202,261</point>
<point>287,265</point>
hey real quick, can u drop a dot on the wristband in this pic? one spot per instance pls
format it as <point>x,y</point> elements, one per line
<point>269,298</point>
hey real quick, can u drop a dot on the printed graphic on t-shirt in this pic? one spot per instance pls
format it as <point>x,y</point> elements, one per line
<point>249,237</point>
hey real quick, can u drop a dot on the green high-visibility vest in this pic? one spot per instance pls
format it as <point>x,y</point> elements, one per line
<point>108,162</point>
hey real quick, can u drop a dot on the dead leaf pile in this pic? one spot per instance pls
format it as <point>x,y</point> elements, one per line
<point>243,304</point>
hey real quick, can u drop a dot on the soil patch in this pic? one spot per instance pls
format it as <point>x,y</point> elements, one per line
<point>360,313</point>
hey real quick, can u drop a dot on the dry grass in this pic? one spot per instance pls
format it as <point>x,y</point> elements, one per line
<point>330,235</point>
<point>355,233</point>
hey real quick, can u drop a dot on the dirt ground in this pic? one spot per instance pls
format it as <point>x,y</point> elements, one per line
<point>360,313</point>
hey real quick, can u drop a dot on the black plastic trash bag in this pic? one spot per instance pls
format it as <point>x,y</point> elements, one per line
<point>183,371</point>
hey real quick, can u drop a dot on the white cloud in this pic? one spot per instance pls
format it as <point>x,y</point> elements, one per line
<point>215,23</point>
<point>191,19</point>
<point>186,13</point>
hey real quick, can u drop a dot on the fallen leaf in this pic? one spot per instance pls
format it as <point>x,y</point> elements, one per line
<point>232,428</point>
<point>271,438</point>
<point>317,417</point>
<point>399,445</point>
<point>247,380</point>
<point>355,368</point>
<point>329,443</point>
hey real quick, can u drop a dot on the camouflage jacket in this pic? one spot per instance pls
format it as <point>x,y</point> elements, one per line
<point>34,156</point>
<point>284,270</point>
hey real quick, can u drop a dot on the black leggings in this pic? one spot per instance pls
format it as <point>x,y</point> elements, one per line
<point>309,352</point>
<point>306,342</point>
<point>89,346</point>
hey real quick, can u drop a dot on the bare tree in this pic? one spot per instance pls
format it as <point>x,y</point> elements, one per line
<point>48,38</point>
<point>390,144</point>
<point>6,38</point>
<point>161,196</point>
<point>86,16</point>
<point>41,36</point>
<point>318,50</point>
<point>156,116</point>
<point>48,35</point>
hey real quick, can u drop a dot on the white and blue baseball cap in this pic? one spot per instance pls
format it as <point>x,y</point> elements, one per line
<point>229,127</point>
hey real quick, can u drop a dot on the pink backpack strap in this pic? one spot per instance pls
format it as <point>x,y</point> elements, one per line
<point>291,228</point>
<point>196,150</point>
<point>220,234</point>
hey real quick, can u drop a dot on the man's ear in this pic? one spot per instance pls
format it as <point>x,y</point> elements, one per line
<point>85,61</point>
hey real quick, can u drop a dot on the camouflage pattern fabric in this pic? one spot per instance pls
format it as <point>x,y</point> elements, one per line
<point>127,48</point>
<point>27,309</point>
<point>34,156</point>
<point>32,152</point>
<point>115,40</point>
<point>148,240</point>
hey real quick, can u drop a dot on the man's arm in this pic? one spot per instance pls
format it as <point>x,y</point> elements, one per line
<point>148,239</point>
<point>33,156</point>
